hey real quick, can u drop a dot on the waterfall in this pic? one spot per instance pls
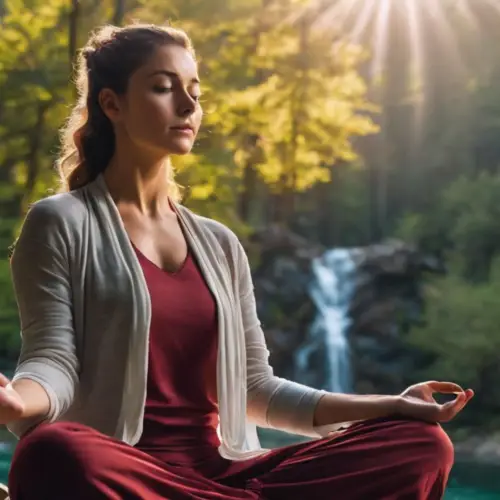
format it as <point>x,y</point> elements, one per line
<point>331,290</point>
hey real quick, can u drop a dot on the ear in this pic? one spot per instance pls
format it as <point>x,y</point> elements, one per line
<point>110,104</point>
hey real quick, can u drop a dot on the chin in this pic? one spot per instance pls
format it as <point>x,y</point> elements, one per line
<point>180,147</point>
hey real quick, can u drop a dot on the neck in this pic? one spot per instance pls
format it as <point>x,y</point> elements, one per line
<point>138,181</point>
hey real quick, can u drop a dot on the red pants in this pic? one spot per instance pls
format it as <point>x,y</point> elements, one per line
<point>374,460</point>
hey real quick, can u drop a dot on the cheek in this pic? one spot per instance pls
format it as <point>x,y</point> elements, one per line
<point>149,114</point>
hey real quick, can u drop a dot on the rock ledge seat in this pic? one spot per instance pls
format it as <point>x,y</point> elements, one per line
<point>4,492</point>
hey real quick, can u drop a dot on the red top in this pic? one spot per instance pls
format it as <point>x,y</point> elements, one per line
<point>181,414</point>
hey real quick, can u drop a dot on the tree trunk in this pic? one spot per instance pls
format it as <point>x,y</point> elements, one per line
<point>73,32</point>
<point>250,177</point>
<point>119,13</point>
<point>35,141</point>
<point>249,190</point>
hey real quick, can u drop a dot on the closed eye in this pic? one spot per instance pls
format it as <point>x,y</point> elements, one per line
<point>162,90</point>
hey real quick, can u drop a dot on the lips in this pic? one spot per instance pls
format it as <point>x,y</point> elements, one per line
<point>183,128</point>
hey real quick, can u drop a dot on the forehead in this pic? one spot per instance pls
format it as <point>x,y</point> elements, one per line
<point>173,59</point>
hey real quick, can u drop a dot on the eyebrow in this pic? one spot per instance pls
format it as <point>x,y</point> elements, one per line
<point>171,74</point>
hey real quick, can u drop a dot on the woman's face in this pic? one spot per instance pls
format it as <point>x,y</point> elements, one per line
<point>160,110</point>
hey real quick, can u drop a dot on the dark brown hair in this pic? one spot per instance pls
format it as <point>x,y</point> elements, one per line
<point>108,60</point>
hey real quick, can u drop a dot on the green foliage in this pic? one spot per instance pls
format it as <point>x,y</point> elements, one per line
<point>9,323</point>
<point>461,337</point>
<point>461,329</point>
<point>460,332</point>
<point>464,224</point>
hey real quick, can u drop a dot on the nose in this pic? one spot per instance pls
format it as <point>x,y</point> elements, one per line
<point>186,105</point>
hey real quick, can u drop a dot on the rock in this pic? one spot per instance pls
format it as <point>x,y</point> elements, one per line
<point>4,492</point>
<point>481,449</point>
<point>386,302</point>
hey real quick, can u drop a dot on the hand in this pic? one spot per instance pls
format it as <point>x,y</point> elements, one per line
<point>417,401</point>
<point>11,404</point>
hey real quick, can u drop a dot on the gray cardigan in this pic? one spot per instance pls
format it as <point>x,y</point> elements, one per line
<point>85,313</point>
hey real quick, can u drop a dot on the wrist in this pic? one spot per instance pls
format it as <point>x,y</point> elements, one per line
<point>395,405</point>
<point>338,408</point>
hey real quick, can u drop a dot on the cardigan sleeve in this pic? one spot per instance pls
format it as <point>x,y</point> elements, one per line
<point>271,401</point>
<point>41,276</point>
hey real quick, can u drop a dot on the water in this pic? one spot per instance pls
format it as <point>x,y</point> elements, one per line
<point>474,481</point>
<point>331,292</point>
<point>470,494</point>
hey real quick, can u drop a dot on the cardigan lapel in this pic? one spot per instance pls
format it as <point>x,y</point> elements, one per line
<point>132,415</point>
<point>231,360</point>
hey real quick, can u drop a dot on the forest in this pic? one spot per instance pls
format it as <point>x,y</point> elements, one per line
<point>309,125</point>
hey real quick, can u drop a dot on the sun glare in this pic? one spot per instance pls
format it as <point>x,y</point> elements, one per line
<point>419,28</point>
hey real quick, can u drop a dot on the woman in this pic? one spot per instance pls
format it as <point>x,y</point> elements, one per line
<point>142,354</point>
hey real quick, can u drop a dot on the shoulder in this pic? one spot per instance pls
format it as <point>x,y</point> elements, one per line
<point>54,218</point>
<point>226,238</point>
<point>58,208</point>
<point>224,235</point>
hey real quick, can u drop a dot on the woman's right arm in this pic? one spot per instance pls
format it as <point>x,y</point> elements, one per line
<point>47,371</point>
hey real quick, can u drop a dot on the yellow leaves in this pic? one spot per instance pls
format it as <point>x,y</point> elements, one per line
<point>241,157</point>
<point>312,176</point>
<point>201,191</point>
<point>276,44</point>
<point>306,105</point>
<point>271,170</point>
<point>182,163</point>
<point>286,101</point>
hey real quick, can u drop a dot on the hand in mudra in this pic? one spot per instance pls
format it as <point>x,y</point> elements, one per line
<point>11,405</point>
<point>417,401</point>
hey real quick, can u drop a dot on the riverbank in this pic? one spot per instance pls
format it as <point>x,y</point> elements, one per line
<point>479,449</point>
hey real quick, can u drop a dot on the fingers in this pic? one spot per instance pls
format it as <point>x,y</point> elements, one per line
<point>11,406</point>
<point>4,381</point>
<point>450,409</point>
<point>419,406</point>
<point>469,393</point>
<point>444,387</point>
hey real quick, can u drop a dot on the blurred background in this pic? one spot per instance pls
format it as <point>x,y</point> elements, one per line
<point>354,146</point>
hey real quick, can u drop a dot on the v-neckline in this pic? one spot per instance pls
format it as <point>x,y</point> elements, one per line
<point>176,272</point>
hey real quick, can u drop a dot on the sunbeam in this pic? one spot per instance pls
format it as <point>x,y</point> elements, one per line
<point>414,16</point>
<point>465,11</point>
<point>363,19</point>
<point>442,24</point>
<point>424,29</point>
<point>495,4</point>
<point>380,39</point>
